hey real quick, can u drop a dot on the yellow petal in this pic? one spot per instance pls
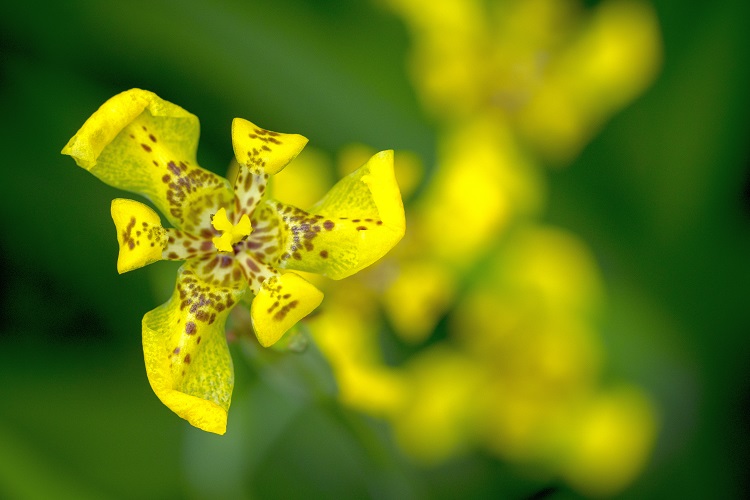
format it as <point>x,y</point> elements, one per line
<point>280,303</point>
<point>139,233</point>
<point>140,143</point>
<point>358,221</point>
<point>185,349</point>
<point>263,150</point>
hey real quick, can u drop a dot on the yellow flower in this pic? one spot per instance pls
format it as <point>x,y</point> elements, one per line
<point>556,70</point>
<point>233,240</point>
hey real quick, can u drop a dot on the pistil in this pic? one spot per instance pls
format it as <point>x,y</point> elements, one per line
<point>231,233</point>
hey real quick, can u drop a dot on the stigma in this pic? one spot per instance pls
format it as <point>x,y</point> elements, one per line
<point>231,233</point>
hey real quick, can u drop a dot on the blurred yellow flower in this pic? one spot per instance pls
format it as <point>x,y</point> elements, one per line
<point>547,65</point>
<point>609,439</point>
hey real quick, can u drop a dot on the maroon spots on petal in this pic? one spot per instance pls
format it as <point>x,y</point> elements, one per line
<point>201,316</point>
<point>198,341</point>
<point>328,225</point>
<point>146,147</point>
<point>127,238</point>
<point>176,350</point>
<point>361,228</point>
<point>379,223</point>
<point>190,328</point>
<point>252,265</point>
<point>324,254</point>
<point>207,245</point>
<point>156,163</point>
<point>194,307</point>
<point>166,178</point>
<point>187,358</point>
<point>281,313</point>
<point>356,220</point>
<point>151,136</point>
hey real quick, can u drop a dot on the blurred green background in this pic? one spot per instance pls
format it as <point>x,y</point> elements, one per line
<point>661,195</point>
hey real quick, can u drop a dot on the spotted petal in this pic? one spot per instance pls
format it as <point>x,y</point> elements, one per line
<point>185,349</point>
<point>140,143</point>
<point>282,301</point>
<point>358,221</point>
<point>140,234</point>
<point>143,240</point>
<point>263,150</point>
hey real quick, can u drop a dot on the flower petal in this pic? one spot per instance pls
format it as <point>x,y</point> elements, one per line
<point>140,143</point>
<point>143,240</point>
<point>249,187</point>
<point>281,302</point>
<point>358,221</point>
<point>185,349</point>
<point>140,234</point>
<point>263,150</point>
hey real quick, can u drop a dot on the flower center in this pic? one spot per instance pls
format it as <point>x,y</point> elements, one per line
<point>231,233</point>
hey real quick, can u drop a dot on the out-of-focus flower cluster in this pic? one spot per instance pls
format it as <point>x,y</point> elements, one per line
<point>495,314</point>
